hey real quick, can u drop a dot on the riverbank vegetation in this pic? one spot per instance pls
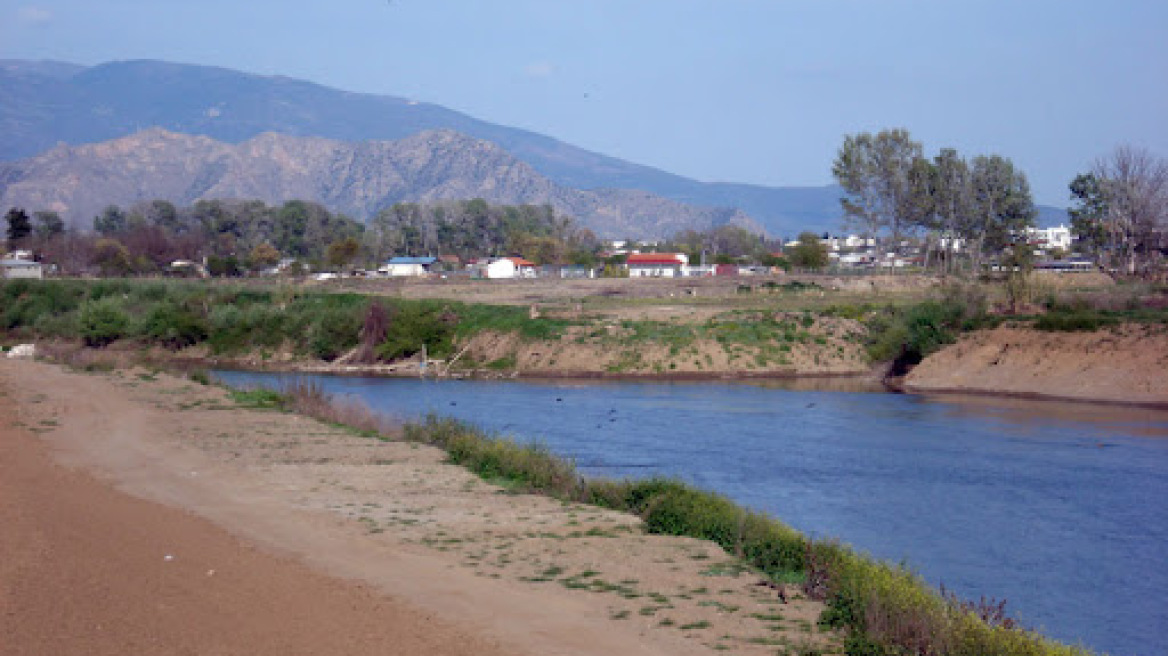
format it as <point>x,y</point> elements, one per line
<point>764,333</point>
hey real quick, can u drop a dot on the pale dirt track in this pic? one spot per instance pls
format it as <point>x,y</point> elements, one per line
<point>291,537</point>
<point>85,571</point>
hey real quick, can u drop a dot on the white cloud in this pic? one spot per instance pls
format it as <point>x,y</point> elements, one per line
<point>34,16</point>
<point>539,69</point>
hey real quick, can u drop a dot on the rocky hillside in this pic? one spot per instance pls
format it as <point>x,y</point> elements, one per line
<point>359,179</point>
<point>76,105</point>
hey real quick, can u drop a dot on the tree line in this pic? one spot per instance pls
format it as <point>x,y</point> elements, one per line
<point>475,228</point>
<point>964,208</point>
<point>234,236</point>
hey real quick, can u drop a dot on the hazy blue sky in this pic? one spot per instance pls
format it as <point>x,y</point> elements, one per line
<point>734,90</point>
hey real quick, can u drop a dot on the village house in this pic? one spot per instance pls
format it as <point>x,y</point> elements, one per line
<point>656,265</point>
<point>401,267</point>
<point>505,268</point>
<point>1048,239</point>
<point>21,268</point>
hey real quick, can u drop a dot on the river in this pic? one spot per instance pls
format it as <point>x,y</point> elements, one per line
<point>1059,508</point>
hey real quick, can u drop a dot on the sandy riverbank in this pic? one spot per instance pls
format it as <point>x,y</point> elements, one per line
<point>291,536</point>
<point>1125,364</point>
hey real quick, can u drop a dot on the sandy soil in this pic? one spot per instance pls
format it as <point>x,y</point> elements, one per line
<point>288,536</point>
<point>1126,364</point>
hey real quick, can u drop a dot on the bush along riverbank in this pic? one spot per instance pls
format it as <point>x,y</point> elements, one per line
<point>882,609</point>
<point>287,327</point>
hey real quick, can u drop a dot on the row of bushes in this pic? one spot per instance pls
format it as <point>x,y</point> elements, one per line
<point>233,319</point>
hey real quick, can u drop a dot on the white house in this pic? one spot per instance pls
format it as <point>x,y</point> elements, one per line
<point>399,267</point>
<point>509,267</point>
<point>657,265</point>
<point>14,268</point>
<point>1048,239</point>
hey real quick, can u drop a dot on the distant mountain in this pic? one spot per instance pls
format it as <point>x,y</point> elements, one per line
<point>359,179</point>
<point>44,103</point>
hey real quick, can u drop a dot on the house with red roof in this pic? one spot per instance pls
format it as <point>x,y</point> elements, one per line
<point>656,265</point>
<point>509,267</point>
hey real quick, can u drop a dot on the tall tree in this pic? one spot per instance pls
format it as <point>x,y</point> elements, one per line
<point>19,226</point>
<point>952,199</point>
<point>1002,207</point>
<point>111,221</point>
<point>1089,215</point>
<point>48,224</point>
<point>1134,184</point>
<point>876,172</point>
<point>809,253</point>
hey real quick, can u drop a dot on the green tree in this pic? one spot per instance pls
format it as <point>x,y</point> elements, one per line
<point>952,199</point>
<point>19,226</point>
<point>1089,215</point>
<point>163,214</point>
<point>341,253</point>
<point>875,172</point>
<point>1002,207</point>
<point>48,224</point>
<point>1019,264</point>
<point>809,253</point>
<point>112,221</point>
<point>112,258</point>
<point>262,256</point>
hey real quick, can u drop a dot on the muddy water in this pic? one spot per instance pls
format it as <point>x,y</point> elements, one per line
<point>1062,509</point>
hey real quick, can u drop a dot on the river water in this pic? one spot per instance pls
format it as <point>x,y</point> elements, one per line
<point>1059,508</point>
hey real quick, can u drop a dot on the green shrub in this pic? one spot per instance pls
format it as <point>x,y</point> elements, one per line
<point>335,331</point>
<point>102,322</point>
<point>412,326</point>
<point>172,326</point>
<point>1075,320</point>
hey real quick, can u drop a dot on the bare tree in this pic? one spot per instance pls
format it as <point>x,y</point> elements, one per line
<point>1134,184</point>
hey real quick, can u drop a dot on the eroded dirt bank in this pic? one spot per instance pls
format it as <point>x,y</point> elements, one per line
<point>266,514</point>
<point>1123,364</point>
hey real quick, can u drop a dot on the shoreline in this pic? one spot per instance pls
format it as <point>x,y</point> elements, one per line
<point>872,377</point>
<point>396,371</point>
<point>1030,396</point>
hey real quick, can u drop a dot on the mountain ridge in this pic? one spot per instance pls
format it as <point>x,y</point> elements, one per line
<point>77,105</point>
<point>357,178</point>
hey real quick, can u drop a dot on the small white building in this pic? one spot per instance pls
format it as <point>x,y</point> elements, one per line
<point>402,267</point>
<point>1048,239</point>
<point>21,268</point>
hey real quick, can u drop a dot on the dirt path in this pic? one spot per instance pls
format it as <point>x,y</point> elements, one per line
<point>90,570</point>
<point>437,561</point>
